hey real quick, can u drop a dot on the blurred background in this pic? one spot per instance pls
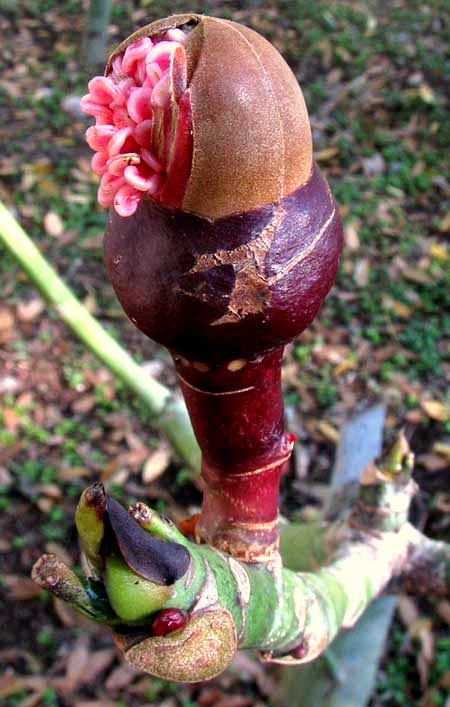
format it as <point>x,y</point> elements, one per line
<point>375,76</point>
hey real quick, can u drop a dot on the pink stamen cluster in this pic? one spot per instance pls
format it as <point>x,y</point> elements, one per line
<point>127,106</point>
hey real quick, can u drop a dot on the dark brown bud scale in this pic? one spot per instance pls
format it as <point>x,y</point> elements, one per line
<point>150,557</point>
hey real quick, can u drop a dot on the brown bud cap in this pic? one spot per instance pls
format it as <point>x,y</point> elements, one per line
<point>251,135</point>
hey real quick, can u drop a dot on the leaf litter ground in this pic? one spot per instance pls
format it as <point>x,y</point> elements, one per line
<point>374,76</point>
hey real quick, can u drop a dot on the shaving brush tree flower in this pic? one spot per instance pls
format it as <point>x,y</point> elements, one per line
<point>222,242</point>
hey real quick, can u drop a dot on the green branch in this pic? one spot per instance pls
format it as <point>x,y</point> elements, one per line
<point>288,617</point>
<point>169,412</point>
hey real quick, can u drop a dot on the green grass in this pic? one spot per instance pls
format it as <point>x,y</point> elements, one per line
<point>397,684</point>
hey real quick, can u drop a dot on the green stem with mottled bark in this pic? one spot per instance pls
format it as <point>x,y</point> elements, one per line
<point>169,412</point>
<point>289,617</point>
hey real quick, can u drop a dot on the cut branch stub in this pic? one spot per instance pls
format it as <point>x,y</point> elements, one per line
<point>222,242</point>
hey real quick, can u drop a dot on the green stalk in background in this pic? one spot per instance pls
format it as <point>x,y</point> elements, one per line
<point>169,412</point>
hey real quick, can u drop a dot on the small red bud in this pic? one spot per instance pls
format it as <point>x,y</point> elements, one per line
<point>169,620</point>
<point>300,651</point>
<point>187,526</point>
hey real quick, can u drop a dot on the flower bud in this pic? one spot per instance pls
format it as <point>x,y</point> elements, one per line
<point>199,113</point>
<point>223,239</point>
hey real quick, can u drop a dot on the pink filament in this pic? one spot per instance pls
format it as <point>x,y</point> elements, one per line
<point>124,105</point>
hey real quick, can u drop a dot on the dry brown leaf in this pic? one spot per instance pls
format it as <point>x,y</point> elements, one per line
<point>234,701</point>
<point>435,409</point>
<point>443,610</point>
<point>209,696</point>
<point>244,663</point>
<point>444,225</point>
<point>109,470</point>
<point>414,416</point>
<point>330,353</point>
<point>68,237</point>
<point>92,242</point>
<point>442,448</point>
<point>373,165</point>
<point>156,463</point>
<point>28,311</point>
<point>53,224</point>
<point>120,678</point>
<point>444,682</point>
<point>351,236</point>
<point>334,76</point>
<point>401,309</point>
<point>77,663</point>
<point>328,431</point>
<point>20,587</point>
<point>119,478</point>
<point>327,154</point>
<point>361,272</point>
<point>10,684</point>
<point>428,698</point>
<point>408,611</point>
<point>442,502</point>
<point>417,275</point>
<point>11,419</point>
<point>45,505</point>
<point>6,324</point>
<point>72,473</point>
<point>98,376</point>
<point>422,630</point>
<point>385,352</point>
<point>348,364</point>
<point>432,462</point>
<point>90,303</point>
<point>98,662</point>
<point>134,442</point>
<point>70,617</point>
<point>84,404</point>
<point>34,699</point>
<point>50,490</point>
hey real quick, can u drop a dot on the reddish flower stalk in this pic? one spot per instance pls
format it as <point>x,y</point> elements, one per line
<point>230,256</point>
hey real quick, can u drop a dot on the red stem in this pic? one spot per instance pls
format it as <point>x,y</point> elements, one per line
<point>236,410</point>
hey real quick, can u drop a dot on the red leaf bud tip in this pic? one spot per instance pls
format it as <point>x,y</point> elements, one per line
<point>169,620</point>
<point>208,115</point>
